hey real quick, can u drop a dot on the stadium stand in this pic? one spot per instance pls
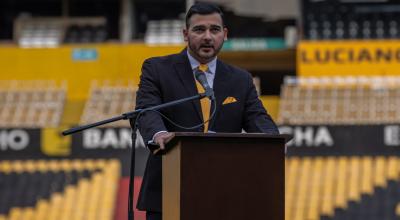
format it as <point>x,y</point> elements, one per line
<point>40,33</point>
<point>85,34</point>
<point>51,32</point>
<point>58,189</point>
<point>342,187</point>
<point>38,103</point>
<point>350,20</point>
<point>164,32</point>
<point>108,99</point>
<point>340,100</point>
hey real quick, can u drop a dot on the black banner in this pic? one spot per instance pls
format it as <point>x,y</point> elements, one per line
<point>110,143</point>
<point>343,140</point>
<point>308,140</point>
<point>20,143</point>
<point>95,143</point>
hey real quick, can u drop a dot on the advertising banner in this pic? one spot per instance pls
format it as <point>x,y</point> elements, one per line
<point>350,57</point>
<point>115,143</point>
<point>343,140</point>
<point>95,143</point>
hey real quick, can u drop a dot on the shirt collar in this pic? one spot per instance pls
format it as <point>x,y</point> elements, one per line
<point>212,65</point>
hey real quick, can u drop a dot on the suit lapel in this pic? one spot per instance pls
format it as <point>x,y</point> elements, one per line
<point>221,88</point>
<point>185,73</point>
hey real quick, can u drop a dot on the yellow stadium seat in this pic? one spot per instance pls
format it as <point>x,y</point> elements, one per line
<point>17,166</point>
<point>95,193</point>
<point>41,210</point>
<point>379,172</point>
<point>42,166</point>
<point>367,181</point>
<point>327,196</point>
<point>55,206</point>
<point>66,165</point>
<point>80,203</point>
<point>89,164</point>
<point>315,187</point>
<point>5,166</point>
<point>393,168</point>
<point>100,163</point>
<point>30,166</point>
<point>91,216</point>
<point>342,178</point>
<point>54,165</point>
<point>69,202</point>
<point>28,213</point>
<point>291,183</point>
<point>354,188</point>
<point>15,214</point>
<point>398,210</point>
<point>299,210</point>
<point>77,165</point>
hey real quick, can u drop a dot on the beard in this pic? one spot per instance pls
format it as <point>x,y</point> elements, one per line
<point>204,52</point>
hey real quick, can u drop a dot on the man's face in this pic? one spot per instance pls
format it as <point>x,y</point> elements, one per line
<point>205,36</point>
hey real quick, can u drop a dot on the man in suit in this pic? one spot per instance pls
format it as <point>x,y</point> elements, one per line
<point>171,77</point>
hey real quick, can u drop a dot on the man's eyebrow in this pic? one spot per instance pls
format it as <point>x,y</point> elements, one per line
<point>216,26</point>
<point>199,26</point>
<point>204,26</point>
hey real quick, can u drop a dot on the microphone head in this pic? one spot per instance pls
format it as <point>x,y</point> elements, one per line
<point>198,73</point>
<point>201,77</point>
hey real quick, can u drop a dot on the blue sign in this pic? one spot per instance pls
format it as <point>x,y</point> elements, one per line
<point>81,54</point>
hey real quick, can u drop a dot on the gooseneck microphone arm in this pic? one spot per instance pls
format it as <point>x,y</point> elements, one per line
<point>133,114</point>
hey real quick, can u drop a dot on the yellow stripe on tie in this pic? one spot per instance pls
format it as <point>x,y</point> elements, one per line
<point>205,103</point>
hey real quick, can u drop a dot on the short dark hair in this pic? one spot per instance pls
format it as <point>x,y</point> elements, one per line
<point>203,8</point>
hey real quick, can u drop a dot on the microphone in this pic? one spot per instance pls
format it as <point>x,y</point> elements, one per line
<point>201,78</point>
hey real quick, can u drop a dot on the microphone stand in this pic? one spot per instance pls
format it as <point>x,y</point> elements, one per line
<point>132,116</point>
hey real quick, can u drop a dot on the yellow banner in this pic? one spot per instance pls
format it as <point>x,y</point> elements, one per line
<point>374,57</point>
<point>78,64</point>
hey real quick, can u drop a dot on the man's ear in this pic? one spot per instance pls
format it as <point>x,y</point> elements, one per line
<point>185,34</point>
<point>225,34</point>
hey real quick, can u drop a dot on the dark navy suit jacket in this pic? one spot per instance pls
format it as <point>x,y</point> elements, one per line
<point>169,78</point>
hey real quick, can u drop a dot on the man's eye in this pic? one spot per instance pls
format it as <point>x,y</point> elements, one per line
<point>198,30</point>
<point>215,30</point>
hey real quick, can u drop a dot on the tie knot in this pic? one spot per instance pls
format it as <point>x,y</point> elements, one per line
<point>203,67</point>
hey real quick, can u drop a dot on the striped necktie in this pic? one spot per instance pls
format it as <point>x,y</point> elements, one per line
<point>205,102</point>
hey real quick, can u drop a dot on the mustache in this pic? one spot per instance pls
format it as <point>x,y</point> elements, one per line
<point>206,46</point>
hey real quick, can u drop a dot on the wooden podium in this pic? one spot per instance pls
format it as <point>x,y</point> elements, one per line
<point>224,177</point>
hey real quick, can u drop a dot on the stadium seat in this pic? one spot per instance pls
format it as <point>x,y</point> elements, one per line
<point>354,182</point>
<point>29,104</point>
<point>108,99</point>
<point>43,190</point>
<point>164,32</point>
<point>340,100</point>
<point>316,187</point>
<point>342,187</point>
<point>327,206</point>
<point>299,209</point>
<point>290,183</point>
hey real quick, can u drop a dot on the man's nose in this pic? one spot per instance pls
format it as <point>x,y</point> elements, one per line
<point>207,35</point>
